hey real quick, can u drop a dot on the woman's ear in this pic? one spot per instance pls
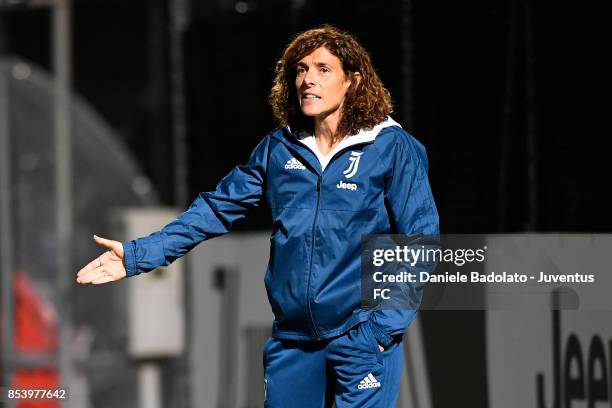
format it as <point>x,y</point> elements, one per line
<point>354,79</point>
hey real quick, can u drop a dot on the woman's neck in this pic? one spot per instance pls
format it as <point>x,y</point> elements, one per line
<point>325,131</point>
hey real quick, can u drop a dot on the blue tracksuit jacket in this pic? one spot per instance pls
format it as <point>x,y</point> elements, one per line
<point>377,184</point>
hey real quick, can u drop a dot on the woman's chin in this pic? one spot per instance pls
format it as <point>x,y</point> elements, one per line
<point>310,112</point>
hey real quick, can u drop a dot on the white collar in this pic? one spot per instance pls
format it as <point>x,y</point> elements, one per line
<point>363,136</point>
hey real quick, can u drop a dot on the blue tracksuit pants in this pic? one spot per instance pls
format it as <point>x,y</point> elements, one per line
<point>350,370</point>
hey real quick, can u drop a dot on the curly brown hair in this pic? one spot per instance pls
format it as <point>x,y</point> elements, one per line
<point>367,102</point>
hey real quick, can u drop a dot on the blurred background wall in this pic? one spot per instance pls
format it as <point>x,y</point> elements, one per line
<point>511,99</point>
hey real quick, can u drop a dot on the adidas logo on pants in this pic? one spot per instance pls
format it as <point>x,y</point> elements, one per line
<point>349,370</point>
<point>368,382</point>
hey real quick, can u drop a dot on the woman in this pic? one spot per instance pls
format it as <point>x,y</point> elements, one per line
<point>337,169</point>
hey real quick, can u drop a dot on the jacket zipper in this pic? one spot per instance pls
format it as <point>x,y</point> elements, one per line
<point>314,234</point>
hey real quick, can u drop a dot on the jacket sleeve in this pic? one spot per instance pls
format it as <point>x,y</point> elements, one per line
<point>412,211</point>
<point>210,215</point>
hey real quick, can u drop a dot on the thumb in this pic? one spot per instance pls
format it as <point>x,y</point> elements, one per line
<point>115,246</point>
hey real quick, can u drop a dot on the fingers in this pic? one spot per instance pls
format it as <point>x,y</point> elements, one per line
<point>86,276</point>
<point>95,276</point>
<point>90,266</point>
<point>97,271</point>
<point>114,246</point>
<point>103,279</point>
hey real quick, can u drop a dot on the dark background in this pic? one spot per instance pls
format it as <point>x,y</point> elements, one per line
<point>495,87</point>
<point>511,99</point>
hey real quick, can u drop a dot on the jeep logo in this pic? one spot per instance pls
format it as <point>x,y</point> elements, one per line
<point>347,186</point>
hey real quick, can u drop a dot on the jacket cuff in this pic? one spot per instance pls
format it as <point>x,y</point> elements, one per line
<point>129,258</point>
<point>382,337</point>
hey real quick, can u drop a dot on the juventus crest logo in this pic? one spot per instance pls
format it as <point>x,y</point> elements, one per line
<point>352,168</point>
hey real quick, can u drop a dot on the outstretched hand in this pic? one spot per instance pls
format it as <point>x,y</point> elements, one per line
<point>108,267</point>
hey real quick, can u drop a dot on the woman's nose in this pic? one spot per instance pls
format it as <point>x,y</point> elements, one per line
<point>309,77</point>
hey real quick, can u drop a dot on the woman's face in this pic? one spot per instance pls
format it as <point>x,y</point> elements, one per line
<point>321,84</point>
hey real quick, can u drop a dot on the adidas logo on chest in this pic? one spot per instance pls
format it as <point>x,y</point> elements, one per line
<point>294,164</point>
